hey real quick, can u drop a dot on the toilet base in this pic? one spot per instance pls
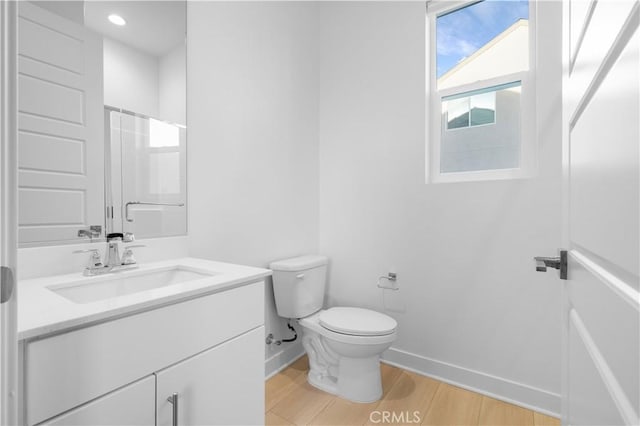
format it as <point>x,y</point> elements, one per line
<point>355,379</point>
<point>359,380</point>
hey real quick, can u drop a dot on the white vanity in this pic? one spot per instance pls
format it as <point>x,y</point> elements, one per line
<point>173,342</point>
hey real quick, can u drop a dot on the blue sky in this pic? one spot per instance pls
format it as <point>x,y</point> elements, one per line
<point>464,31</point>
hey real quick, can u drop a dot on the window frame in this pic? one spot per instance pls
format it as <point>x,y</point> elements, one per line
<point>528,122</point>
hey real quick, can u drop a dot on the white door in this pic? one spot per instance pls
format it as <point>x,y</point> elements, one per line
<point>131,405</point>
<point>61,134</point>
<point>601,338</point>
<point>221,386</point>
<point>8,222</point>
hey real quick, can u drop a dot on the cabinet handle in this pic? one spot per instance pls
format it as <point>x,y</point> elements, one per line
<point>173,400</point>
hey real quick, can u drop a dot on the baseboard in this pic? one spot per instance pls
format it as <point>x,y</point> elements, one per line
<point>493,386</point>
<point>278,362</point>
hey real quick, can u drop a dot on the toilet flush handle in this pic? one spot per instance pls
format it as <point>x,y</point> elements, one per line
<point>300,276</point>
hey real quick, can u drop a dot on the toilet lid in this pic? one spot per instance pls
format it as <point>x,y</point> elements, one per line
<point>357,321</point>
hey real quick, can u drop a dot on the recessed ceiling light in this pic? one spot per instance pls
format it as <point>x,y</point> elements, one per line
<point>117,19</point>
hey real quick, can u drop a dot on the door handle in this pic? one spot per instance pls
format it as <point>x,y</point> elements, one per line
<point>173,400</point>
<point>559,262</point>
<point>7,284</point>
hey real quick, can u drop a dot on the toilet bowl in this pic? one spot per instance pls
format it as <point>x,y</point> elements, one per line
<point>343,344</point>
<point>347,365</point>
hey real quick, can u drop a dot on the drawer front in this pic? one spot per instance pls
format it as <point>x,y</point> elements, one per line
<point>133,405</point>
<point>69,369</point>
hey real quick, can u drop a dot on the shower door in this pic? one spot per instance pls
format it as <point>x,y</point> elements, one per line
<point>601,298</point>
<point>147,186</point>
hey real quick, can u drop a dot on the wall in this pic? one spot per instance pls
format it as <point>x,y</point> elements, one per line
<point>145,84</point>
<point>172,90</point>
<point>130,78</point>
<point>470,309</point>
<point>253,147</point>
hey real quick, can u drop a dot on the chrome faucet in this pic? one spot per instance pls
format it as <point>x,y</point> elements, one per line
<point>112,257</point>
<point>113,262</point>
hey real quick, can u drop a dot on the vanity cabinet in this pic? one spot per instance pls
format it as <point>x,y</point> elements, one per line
<point>208,349</point>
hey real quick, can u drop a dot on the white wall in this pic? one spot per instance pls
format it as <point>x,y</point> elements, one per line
<point>253,147</point>
<point>471,309</point>
<point>146,84</point>
<point>130,78</point>
<point>172,90</point>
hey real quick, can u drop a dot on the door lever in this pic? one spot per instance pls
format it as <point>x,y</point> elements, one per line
<point>559,262</point>
<point>7,284</point>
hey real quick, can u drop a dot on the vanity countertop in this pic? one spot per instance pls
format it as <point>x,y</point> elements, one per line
<point>42,311</point>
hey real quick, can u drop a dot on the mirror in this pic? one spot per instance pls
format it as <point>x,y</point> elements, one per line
<point>102,135</point>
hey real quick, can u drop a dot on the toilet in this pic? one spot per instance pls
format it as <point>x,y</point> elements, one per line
<point>343,344</point>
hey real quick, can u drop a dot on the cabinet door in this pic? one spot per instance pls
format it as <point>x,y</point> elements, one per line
<point>130,405</point>
<point>221,386</point>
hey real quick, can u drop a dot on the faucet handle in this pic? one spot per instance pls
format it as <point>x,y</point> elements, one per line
<point>128,237</point>
<point>127,256</point>
<point>94,260</point>
<point>94,231</point>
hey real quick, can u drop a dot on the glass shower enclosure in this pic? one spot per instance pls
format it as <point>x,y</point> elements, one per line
<point>146,175</point>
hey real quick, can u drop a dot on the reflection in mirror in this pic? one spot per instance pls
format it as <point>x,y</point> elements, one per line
<point>102,100</point>
<point>145,114</point>
<point>148,175</point>
<point>60,129</point>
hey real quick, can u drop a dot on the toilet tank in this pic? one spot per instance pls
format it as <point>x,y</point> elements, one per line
<point>298,285</point>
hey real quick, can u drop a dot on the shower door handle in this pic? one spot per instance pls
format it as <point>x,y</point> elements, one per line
<point>173,400</point>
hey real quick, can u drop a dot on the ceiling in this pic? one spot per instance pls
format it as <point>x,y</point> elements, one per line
<point>154,27</point>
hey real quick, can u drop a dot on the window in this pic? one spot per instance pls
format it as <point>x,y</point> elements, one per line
<point>481,108</point>
<point>469,109</point>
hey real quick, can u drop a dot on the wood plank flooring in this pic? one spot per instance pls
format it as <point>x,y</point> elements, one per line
<point>412,398</point>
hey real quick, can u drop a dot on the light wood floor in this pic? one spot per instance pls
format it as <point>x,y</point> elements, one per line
<point>414,399</point>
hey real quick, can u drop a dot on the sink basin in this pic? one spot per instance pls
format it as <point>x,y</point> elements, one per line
<point>114,285</point>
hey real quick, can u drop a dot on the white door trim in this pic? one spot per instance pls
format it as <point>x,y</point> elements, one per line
<point>8,207</point>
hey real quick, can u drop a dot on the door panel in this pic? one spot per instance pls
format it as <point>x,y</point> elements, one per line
<point>42,39</point>
<point>604,166</point>
<point>51,153</point>
<point>601,105</point>
<point>221,386</point>
<point>618,337</point>
<point>587,386</point>
<point>596,38</point>
<point>60,112</point>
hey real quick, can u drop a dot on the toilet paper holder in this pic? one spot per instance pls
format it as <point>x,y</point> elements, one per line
<point>391,277</point>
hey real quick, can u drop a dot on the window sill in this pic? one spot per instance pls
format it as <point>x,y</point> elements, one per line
<point>479,176</point>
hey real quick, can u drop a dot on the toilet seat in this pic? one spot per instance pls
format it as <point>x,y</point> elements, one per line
<point>357,322</point>
<point>312,322</point>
